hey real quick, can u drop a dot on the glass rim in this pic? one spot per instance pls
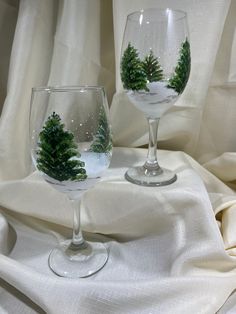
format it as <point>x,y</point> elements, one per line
<point>63,88</point>
<point>182,14</point>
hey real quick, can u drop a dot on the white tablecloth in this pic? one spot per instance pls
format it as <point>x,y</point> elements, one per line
<point>167,253</point>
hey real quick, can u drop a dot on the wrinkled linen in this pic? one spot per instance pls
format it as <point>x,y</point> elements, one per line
<point>172,249</point>
<point>167,254</point>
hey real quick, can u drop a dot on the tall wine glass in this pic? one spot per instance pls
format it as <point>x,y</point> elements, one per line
<point>71,147</point>
<point>155,66</point>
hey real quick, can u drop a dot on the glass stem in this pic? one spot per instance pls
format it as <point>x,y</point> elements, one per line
<point>151,163</point>
<point>77,239</point>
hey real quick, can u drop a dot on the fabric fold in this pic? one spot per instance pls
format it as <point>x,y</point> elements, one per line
<point>5,242</point>
<point>166,251</point>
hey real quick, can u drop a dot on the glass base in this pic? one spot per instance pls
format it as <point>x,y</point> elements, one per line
<point>81,261</point>
<point>156,177</point>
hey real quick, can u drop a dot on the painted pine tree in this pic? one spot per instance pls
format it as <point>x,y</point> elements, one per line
<point>58,156</point>
<point>133,76</point>
<point>180,77</point>
<point>102,142</point>
<point>152,68</point>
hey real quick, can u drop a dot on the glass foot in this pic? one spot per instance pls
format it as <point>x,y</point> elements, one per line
<point>70,261</point>
<point>145,177</point>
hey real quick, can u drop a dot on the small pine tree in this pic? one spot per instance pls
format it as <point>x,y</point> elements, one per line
<point>182,70</point>
<point>132,74</point>
<point>102,142</point>
<point>152,68</point>
<point>57,153</point>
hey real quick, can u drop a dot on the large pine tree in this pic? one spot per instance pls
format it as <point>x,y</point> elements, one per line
<point>180,77</point>
<point>152,68</point>
<point>58,156</point>
<point>133,76</point>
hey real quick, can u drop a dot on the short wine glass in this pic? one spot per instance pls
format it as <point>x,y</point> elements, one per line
<point>71,147</point>
<point>155,66</point>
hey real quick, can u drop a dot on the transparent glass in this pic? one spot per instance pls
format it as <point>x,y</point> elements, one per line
<point>71,146</point>
<point>155,66</point>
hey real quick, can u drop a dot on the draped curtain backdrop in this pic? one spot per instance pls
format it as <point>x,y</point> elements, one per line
<point>78,42</point>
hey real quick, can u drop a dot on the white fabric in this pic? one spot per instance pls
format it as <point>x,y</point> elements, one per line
<point>82,41</point>
<point>8,17</point>
<point>5,245</point>
<point>220,100</point>
<point>166,251</point>
<point>172,249</point>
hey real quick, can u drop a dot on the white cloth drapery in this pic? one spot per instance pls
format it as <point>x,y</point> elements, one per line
<point>166,251</point>
<point>167,254</point>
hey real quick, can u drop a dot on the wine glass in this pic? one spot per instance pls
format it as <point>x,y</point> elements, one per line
<point>155,66</point>
<point>71,147</point>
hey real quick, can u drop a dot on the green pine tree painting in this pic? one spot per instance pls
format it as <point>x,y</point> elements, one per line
<point>133,76</point>
<point>102,142</point>
<point>58,156</point>
<point>152,68</point>
<point>180,77</point>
